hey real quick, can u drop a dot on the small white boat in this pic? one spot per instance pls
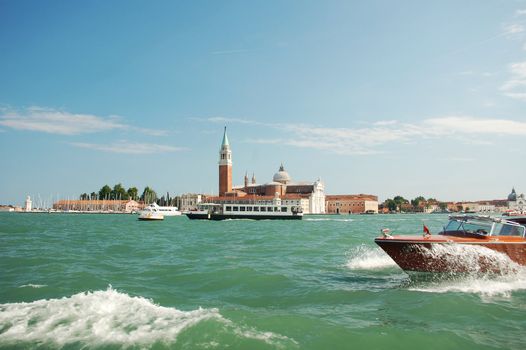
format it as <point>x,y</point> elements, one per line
<point>151,216</point>
<point>165,211</point>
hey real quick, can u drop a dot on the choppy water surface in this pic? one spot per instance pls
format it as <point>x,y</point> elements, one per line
<point>110,281</point>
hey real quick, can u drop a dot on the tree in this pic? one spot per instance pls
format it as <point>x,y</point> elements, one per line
<point>119,192</point>
<point>390,204</point>
<point>442,206</point>
<point>84,196</point>
<point>148,195</point>
<point>400,201</point>
<point>133,193</point>
<point>105,192</point>
<point>93,195</point>
<point>416,202</point>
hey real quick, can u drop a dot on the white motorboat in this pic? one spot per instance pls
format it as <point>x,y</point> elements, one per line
<point>165,211</point>
<point>151,216</point>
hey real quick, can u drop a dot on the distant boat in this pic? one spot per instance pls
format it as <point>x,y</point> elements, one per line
<point>165,211</point>
<point>243,210</point>
<point>151,216</point>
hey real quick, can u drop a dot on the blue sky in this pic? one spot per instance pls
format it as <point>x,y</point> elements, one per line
<point>382,97</point>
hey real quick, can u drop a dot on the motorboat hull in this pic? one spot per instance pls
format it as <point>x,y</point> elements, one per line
<point>150,217</point>
<point>449,254</point>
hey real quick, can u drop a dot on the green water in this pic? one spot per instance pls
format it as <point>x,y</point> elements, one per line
<point>110,281</point>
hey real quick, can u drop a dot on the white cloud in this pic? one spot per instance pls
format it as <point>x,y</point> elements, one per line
<point>515,87</point>
<point>54,121</point>
<point>370,139</point>
<point>129,147</point>
<point>520,13</point>
<point>385,122</point>
<point>514,28</point>
<point>469,125</point>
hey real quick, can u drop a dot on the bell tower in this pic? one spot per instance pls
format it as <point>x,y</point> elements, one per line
<point>225,166</point>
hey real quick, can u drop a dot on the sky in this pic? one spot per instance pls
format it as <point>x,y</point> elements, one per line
<point>381,97</point>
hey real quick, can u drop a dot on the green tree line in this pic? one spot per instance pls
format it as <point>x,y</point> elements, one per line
<point>399,203</point>
<point>118,192</point>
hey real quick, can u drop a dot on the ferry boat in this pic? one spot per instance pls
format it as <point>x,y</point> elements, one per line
<point>245,210</point>
<point>165,211</point>
<point>468,243</point>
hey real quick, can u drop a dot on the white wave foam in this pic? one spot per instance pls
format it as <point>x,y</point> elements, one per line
<point>470,258</point>
<point>30,285</point>
<point>368,258</point>
<point>486,286</point>
<point>267,337</point>
<point>484,271</point>
<point>102,318</point>
<point>96,318</point>
<point>327,219</point>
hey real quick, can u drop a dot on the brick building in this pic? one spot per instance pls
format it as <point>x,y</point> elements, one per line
<point>351,204</point>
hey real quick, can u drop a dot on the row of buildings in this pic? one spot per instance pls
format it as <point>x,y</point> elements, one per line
<point>514,203</point>
<point>309,195</point>
<point>338,204</point>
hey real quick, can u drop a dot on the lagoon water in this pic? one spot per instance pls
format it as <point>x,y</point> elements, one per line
<point>110,282</point>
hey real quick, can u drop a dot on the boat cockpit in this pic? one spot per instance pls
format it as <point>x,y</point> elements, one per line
<point>479,226</point>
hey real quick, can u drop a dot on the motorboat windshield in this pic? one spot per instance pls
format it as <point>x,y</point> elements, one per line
<point>481,226</point>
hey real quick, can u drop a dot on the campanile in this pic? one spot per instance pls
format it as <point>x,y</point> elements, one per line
<point>225,166</point>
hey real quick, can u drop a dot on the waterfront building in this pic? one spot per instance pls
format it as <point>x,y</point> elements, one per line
<point>309,195</point>
<point>351,204</point>
<point>28,204</point>
<point>516,202</point>
<point>125,206</point>
<point>189,201</point>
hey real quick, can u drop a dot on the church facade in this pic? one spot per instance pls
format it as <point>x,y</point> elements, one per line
<point>309,195</point>
<point>516,202</point>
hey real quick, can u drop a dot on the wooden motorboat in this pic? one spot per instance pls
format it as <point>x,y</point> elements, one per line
<point>468,243</point>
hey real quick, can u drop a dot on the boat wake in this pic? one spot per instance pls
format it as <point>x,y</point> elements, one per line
<point>106,318</point>
<point>327,219</point>
<point>368,258</point>
<point>486,286</point>
<point>472,259</point>
<point>30,285</point>
<point>483,271</point>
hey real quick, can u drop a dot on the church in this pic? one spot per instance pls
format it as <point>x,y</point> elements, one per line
<point>308,195</point>
<point>516,203</point>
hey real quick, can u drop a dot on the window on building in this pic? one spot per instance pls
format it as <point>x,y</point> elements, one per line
<point>235,208</point>
<point>249,208</point>
<point>283,209</point>
<point>228,208</point>
<point>241,208</point>
<point>256,208</point>
<point>269,209</point>
<point>263,209</point>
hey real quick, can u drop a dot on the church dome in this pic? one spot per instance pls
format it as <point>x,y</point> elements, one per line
<point>512,197</point>
<point>281,176</point>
